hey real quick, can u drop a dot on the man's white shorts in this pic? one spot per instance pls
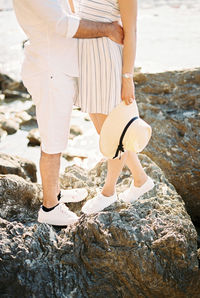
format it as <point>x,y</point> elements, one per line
<point>53,95</point>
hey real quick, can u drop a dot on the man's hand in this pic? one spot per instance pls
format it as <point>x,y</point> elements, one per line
<point>116,32</point>
<point>91,29</point>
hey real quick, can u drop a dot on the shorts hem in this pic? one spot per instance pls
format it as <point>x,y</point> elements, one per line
<point>53,151</point>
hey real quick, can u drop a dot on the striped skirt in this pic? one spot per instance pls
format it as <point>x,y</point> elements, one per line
<point>100,75</point>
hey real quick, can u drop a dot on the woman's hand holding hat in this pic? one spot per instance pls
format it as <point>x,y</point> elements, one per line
<point>128,131</point>
<point>128,90</point>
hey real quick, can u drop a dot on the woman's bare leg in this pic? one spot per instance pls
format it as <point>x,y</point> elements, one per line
<point>138,173</point>
<point>115,166</point>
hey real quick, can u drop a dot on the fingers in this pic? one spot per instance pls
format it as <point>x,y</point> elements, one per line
<point>120,36</point>
<point>128,91</point>
<point>128,96</point>
<point>119,32</point>
<point>122,40</point>
<point>117,38</point>
<point>128,101</point>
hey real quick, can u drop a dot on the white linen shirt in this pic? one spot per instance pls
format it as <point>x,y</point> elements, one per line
<point>49,26</point>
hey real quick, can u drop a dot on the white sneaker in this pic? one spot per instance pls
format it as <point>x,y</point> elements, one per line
<point>73,195</point>
<point>98,203</point>
<point>59,216</point>
<point>133,193</point>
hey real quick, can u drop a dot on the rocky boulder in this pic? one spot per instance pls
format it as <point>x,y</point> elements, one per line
<point>29,124</point>
<point>22,116</point>
<point>34,137</point>
<point>170,103</point>
<point>5,81</point>
<point>75,131</point>
<point>10,126</point>
<point>144,249</point>
<point>12,89</point>
<point>31,111</point>
<point>10,164</point>
<point>19,199</point>
<point>11,95</point>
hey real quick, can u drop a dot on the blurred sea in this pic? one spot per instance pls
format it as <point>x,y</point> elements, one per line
<point>168,39</point>
<point>168,36</point>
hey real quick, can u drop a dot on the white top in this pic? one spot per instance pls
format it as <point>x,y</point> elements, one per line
<point>49,26</point>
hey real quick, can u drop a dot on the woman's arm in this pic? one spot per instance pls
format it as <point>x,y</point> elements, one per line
<point>128,11</point>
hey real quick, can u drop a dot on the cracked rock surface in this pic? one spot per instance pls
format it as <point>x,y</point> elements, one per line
<point>144,249</point>
<point>170,103</point>
<point>10,164</point>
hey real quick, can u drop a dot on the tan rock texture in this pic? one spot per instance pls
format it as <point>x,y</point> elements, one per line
<point>12,89</point>
<point>170,103</point>
<point>10,164</point>
<point>75,130</point>
<point>9,125</point>
<point>34,137</point>
<point>29,124</point>
<point>144,249</point>
<point>20,199</point>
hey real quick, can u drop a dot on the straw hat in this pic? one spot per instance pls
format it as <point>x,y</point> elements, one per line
<point>123,130</point>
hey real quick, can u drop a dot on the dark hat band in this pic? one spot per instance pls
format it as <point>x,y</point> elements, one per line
<point>120,147</point>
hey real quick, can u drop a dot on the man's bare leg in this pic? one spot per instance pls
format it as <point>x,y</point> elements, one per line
<point>52,212</point>
<point>49,169</point>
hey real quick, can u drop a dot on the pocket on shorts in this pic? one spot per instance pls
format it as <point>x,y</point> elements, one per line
<point>32,82</point>
<point>62,84</point>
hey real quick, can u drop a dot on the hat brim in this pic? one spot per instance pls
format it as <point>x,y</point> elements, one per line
<point>136,137</point>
